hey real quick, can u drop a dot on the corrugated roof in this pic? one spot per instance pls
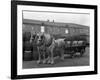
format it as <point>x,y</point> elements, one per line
<point>38,22</point>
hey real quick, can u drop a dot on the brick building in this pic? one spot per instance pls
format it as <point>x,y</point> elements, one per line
<point>54,28</point>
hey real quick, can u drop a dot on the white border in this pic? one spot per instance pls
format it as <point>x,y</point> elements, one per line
<point>21,71</point>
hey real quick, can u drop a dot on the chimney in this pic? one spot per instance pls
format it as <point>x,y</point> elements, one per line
<point>48,20</point>
<point>53,20</point>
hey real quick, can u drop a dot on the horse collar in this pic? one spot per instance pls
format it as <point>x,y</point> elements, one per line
<point>49,44</point>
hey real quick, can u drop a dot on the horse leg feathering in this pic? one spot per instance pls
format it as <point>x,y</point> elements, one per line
<point>44,57</point>
<point>39,57</point>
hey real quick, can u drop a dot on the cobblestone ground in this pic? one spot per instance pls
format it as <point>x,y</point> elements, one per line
<point>76,61</point>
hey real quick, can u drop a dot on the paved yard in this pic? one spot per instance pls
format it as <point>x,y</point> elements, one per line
<point>76,61</point>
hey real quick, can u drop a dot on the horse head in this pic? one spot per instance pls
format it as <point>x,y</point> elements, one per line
<point>40,39</point>
<point>33,37</point>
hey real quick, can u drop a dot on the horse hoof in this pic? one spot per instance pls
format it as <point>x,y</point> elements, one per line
<point>38,62</point>
<point>44,62</point>
<point>52,62</point>
<point>49,62</point>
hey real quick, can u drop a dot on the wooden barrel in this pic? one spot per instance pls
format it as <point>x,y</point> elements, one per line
<point>27,50</point>
<point>28,55</point>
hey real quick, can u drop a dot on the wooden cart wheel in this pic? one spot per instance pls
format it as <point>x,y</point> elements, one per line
<point>72,54</point>
<point>82,52</point>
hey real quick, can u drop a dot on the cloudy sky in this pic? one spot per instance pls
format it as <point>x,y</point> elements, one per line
<point>78,18</point>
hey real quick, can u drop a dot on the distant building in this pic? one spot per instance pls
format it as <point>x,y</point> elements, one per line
<point>54,27</point>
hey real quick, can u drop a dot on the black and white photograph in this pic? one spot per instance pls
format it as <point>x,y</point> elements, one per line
<point>54,39</point>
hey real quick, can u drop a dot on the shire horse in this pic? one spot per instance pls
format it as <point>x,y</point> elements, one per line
<point>46,45</point>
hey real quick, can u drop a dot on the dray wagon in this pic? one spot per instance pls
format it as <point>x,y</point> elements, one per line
<point>76,44</point>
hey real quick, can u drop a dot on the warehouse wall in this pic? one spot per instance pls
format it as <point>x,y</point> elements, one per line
<point>55,30</point>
